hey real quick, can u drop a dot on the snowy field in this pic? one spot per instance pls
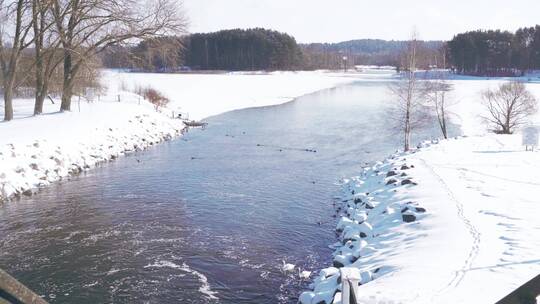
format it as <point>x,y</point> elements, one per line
<point>35,151</point>
<point>205,95</point>
<point>455,221</point>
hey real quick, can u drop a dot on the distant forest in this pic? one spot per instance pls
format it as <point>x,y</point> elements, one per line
<point>486,53</point>
<point>253,49</point>
<point>364,52</point>
<point>496,53</point>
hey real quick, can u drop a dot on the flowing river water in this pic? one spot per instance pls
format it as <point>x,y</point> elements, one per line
<point>209,217</point>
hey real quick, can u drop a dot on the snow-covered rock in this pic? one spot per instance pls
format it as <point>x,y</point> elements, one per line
<point>37,151</point>
<point>463,232</point>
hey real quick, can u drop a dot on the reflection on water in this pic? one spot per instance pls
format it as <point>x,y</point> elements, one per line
<point>207,218</point>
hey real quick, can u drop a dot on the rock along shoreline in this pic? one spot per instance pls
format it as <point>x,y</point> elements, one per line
<point>369,206</point>
<point>24,169</point>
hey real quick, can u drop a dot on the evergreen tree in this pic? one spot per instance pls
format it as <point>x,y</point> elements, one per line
<point>496,53</point>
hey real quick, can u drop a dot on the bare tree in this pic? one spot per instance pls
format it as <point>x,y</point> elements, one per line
<point>88,27</point>
<point>408,107</point>
<point>158,54</point>
<point>509,106</point>
<point>46,53</point>
<point>15,26</point>
<point>436,94</point>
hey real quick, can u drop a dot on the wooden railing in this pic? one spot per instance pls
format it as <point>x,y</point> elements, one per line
<point>14,292</point>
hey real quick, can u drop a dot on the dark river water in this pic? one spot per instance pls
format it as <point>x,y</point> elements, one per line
<point>207,218</point>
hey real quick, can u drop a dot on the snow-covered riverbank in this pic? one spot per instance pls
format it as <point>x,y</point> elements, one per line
<point>463,230</point>
<point>35,151</point>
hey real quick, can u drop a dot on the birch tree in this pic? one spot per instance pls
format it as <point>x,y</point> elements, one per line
<point>408,109</point>
<point>436,95</point>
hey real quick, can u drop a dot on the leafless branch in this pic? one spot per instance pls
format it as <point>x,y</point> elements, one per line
<point>509,106</point>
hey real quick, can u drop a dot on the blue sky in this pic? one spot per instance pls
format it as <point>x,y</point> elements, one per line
<point>339,20</point>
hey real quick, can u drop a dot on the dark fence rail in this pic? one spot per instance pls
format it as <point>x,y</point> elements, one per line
<point>525,294</point>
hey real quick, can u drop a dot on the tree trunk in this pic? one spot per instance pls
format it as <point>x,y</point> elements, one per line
<point>67,93</point>
<point>443,117</point>
<point>67,88</point>
<point>407,133</point>
<point>506,128</point>
<point>38,106</point>
<point>41,93</point>
<point>38,16</point>
<point>8,102</point>
<point>443,127</point>
<point>407,144</point>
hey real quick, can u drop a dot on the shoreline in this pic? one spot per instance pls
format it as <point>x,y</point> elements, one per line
<point>41,163</point>
<point>33,161</point>
<point>472,241</point>
<point>434,224</point>
<point>369,205</point>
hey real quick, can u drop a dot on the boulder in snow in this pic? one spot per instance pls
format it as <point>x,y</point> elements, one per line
<point>407,182</point>
<point>408,217</point>
<point>420,209</point>
<point>338,264</point>
<point>391,181</point>
<point>306,297</point>
<point>343,223</point>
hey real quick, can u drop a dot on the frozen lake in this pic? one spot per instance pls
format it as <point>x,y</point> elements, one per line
<point>206,218</point>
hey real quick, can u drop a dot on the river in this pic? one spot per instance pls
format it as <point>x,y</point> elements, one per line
<point>209,217</point>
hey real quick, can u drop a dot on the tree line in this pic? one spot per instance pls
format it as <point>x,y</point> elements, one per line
<point>236,49</point>
<point>52,45</point>
<point>495,52</point>
<point>363,52</point>
<point>485,53</point>
<point>419,95</point>
<point>257,49</point>
<point>251,49</point>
